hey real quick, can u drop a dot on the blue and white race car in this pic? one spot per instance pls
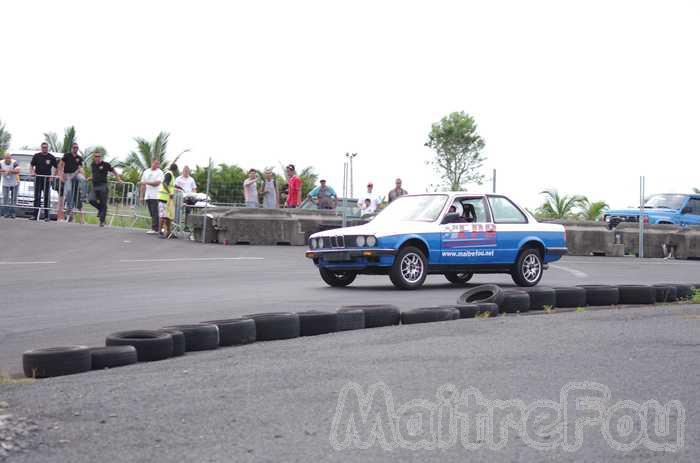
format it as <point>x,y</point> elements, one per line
<point>456,234</point>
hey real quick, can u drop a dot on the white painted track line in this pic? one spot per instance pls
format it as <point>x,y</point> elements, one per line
<point>192,259</point>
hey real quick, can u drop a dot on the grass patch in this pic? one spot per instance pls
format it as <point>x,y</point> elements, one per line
<point>483,315</point>
<point>549,309</point>
<point>581,309</point>
<point>696,297</point>
<point>118,216</point>
<point>10,380</point>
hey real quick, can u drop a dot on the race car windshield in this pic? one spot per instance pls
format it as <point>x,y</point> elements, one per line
<point>665,201</point>
<point>418,208</point>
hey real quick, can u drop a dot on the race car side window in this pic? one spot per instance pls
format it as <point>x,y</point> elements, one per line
<point>504,211</point>
<point>472,209</point>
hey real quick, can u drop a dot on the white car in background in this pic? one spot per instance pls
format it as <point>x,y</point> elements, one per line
<point>25,194</point>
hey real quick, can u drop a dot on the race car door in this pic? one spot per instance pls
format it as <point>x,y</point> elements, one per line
<point>468,235</point>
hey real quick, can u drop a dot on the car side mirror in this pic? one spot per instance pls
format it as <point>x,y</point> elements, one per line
<point>686,210</point>
<point>452,217</point>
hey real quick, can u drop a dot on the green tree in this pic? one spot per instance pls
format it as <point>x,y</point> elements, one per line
<point>558,206</point>
<point>458,158</point>
<point>147,151</point>
<point>226,185</point>
<point>696,190</point>
<point>592,210</point>
<point>61,146</point>
<point>308,177</point>
<point>5,138</point>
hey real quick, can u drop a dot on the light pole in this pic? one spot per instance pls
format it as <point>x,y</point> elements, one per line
<point>351,156</point>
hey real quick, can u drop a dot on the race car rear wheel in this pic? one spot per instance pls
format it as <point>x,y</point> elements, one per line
<point>337,279</point>
<point>527,270</point>
<point>458,278</point>
<point>410,268</point>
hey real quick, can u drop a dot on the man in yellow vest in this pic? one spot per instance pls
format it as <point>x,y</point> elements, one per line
<point>166,202</point>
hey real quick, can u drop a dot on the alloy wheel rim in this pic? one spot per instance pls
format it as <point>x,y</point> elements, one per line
<point>531,268</point>
<point>411,267</point>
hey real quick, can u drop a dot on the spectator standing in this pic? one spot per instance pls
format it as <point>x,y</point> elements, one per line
<point>250,189</point>
<point>396,192</point>
<point>150,188</point>
<point>323,196</point>
<point>371,207</point>
<point>185,182</point>
<point>166,201</point>
<point>70,168</point>
<point>99,199</point>
<point>43,166</point>
<point>269,192</point>
<point>294,187</point>
<point>9,168</point>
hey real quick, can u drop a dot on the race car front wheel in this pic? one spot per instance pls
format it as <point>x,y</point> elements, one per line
<point>458,278</point>
<point>410,268</point>
<point>337,279</point>
<point>527,270</point>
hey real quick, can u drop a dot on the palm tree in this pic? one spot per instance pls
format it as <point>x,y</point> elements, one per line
<point>592,210</point>
<point>558,206</point>
<point>5,138</point>
<point>56,146</point>
<point>147,151</point>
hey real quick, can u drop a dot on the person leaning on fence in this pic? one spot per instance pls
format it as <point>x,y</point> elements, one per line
<point>100,193</point>
<point>9,168</point>
<point>166,201</point>
<point>70,170</point>
<point>150,189</point>
<point>250,189</point>
<point>269,192</point>
<point>43,166</point>
<point>323,196</point>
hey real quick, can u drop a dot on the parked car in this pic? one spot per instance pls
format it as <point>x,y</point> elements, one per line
<point>456,234</point>
<point>670,209</point>
<point>25,194</point>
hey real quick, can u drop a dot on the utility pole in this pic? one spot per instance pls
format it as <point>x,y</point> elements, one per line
<point>641,216</point>
<point>350,157</point>
<point>494,180</point>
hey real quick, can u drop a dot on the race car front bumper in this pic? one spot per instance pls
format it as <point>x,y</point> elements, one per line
<point>348,254</point>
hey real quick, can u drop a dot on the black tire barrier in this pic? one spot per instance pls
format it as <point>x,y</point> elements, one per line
<point>570,296</point>
<point>666,293</point>
<point>234,331</point>
<point>178,341</point>
<point>312,323</point>
<point>601,295</point>
<point>541,297</point>
<point>275,325</point>
<point>515,301</point>
<point>150,345</point>
<point>198,336</point>
<point>482,293</point>
<point>456,315</point>
<point>351,319</point>
<point>377,315</point>
<point>464,310</point>
<point>56,361</point>
<point>112,356</point>
<point>637,294</point>
<point>427,315</point>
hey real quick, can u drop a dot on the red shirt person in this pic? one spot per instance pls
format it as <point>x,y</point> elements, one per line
<point>294,191</point>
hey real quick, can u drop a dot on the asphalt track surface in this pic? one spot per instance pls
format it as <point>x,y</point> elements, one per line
<point>68,284</point>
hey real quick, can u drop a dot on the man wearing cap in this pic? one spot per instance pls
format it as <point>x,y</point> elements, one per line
<point>99,197</point>
<point>294,187</point>
<point>371,206</point>
<point>398,191</point>
<point>323,196</point>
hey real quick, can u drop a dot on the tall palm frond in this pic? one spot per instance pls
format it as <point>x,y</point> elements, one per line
<point>147,151</point>
<point>592,210</point>
<point>5,138</point>
<point>558,206</point>
<point>56,146</point>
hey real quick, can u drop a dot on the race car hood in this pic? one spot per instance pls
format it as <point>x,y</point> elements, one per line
<point>380,229</point>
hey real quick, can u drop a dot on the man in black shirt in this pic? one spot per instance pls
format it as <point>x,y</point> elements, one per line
<point>43,165</point>
<point>69,169</point>
<point>99,196</point>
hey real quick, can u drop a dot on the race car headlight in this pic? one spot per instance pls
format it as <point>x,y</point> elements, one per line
<point>320,242</point>
<point>313,243</point>
<point>360,241</point>
<point>371,241</point>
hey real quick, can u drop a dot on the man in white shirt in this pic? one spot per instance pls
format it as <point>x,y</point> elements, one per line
<point>150,187</point>
<point>371,207</point>
<point>185,182</point>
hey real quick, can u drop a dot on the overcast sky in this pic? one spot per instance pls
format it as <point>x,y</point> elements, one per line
<point>581,96</point>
